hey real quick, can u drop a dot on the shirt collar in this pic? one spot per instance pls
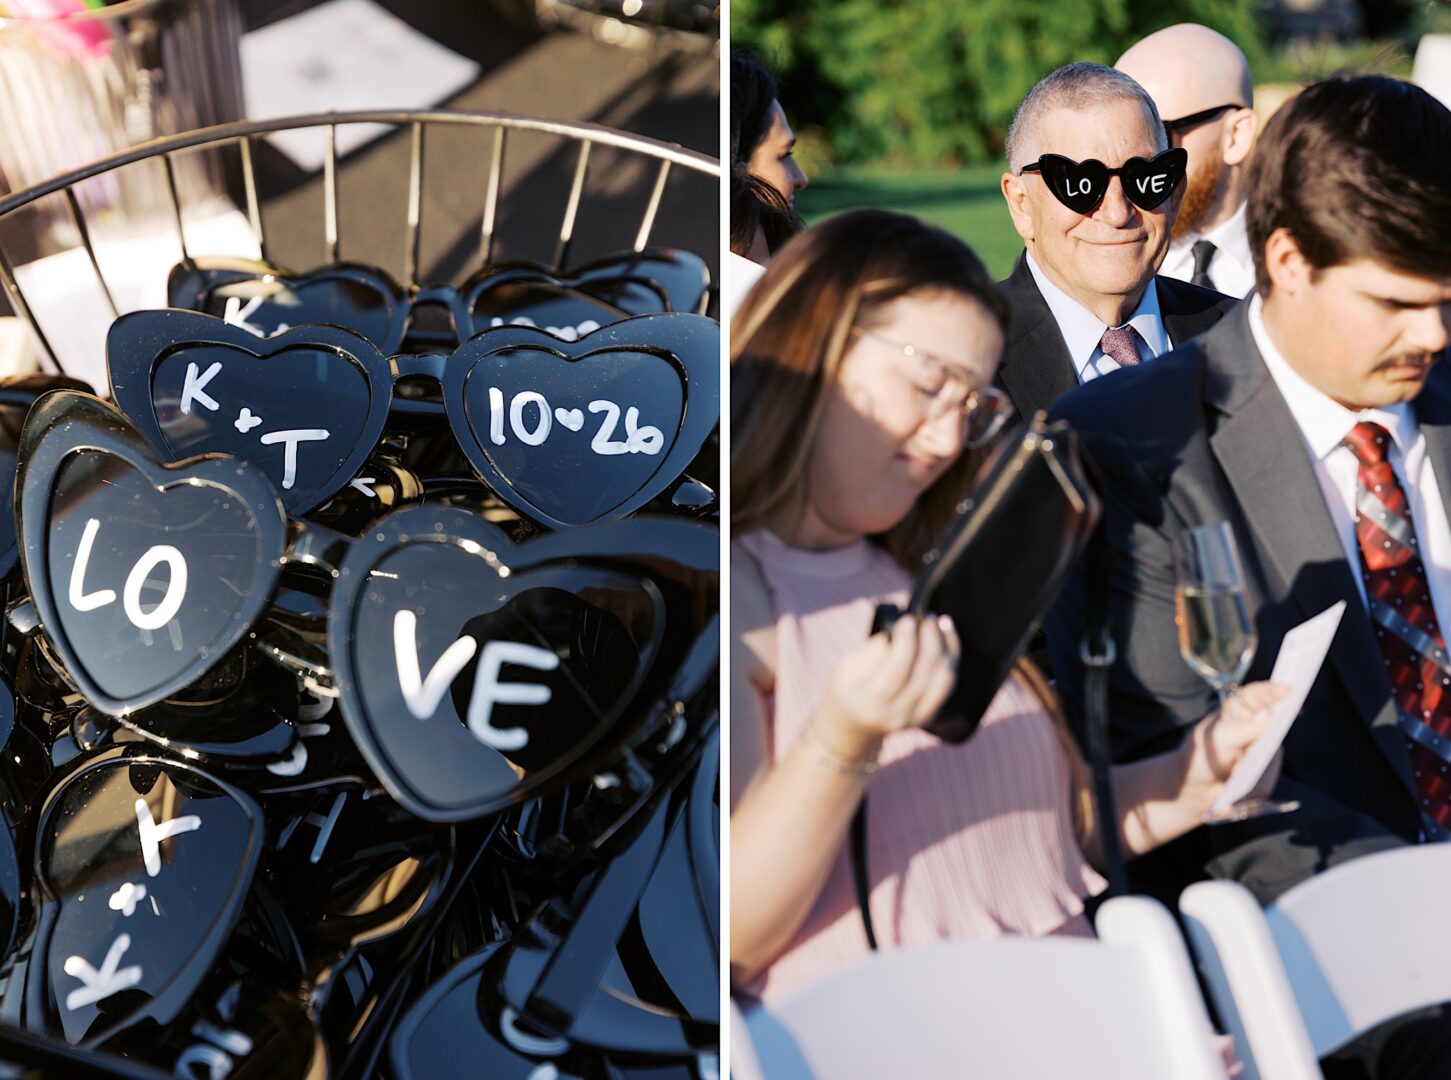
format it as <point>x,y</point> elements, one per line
<point>1229,237</point>
<point>1081,328</point>
<point>1324,422</point>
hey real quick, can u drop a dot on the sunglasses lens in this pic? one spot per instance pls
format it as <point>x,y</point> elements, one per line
<point>563,311</point>
<point>267,306</point>
<point>1149,183</point>
<point>1078,185</point>
<point>465,726</point>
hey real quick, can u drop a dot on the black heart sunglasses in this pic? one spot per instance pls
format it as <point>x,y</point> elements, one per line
<point>472,673</point>
<point>265,300</point>
<point>565,432</point>
<point>1081,185</point>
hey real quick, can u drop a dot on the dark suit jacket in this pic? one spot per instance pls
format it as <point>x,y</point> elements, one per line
<point>1036,368</point>
<point>1202,435</point>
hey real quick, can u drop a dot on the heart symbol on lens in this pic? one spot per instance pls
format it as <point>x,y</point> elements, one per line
<point>144,575</point>
<point>189,383</point>
<point>142,866</point>
<point>650,390</point>
<point>570,418</point>
<point>473,672</point>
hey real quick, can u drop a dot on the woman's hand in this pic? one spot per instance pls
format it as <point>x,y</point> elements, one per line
<point>888,684</point>
<point>1222,737</point>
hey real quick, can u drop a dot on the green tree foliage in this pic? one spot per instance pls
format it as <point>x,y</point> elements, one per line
<point>933,83</point>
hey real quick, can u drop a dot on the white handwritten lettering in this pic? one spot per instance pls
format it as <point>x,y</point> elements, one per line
<point>99,985</point>
<point>165,611</point>
<point>291,438</point>
<point>488,691</point>
<point>192,388</point>
<point>516,417</point>
<point>79,598</point>
<point>126,898</point>
<point>423,695</point>
<point>153,834</point>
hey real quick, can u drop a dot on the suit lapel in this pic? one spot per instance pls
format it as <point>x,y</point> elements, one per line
<point>1258,445</point>
<point>1036,367</point>
<point>1184,316</point>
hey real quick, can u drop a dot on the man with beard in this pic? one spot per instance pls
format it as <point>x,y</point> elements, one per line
<point>1315,420</point>
<point>1092,187</point>
<point>1201,83</point>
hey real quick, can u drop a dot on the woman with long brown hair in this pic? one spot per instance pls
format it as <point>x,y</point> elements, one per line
<point>861,399</point>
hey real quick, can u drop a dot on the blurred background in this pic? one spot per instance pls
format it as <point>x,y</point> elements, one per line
<point>81,79</point>
<point>905,104</point>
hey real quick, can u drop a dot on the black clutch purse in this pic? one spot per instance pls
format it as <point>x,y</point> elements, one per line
<point>1003,560</point>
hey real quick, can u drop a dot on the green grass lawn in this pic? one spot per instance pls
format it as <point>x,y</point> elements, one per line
<point>966,203</point>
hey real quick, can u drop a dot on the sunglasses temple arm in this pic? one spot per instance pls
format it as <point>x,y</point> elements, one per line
<point>573,973</point>
<point>315,547</point>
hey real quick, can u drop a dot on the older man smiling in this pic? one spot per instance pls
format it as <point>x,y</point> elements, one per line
<point>1092,188</point>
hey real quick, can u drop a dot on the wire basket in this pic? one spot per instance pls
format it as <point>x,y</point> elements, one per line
<point>597,171</point>
<point>652,162</point>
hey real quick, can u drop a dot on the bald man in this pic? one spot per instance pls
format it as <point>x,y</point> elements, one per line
<point>1201,83</point>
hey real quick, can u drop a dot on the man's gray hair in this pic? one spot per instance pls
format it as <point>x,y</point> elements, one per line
<point>1077,86</point>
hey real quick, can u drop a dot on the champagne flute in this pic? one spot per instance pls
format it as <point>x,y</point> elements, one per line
<point>1216,631</point>
<point>1216,634</point>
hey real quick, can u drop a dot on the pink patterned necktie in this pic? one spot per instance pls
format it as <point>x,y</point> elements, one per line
<point>1122,344</point>
<point>1406,628</point>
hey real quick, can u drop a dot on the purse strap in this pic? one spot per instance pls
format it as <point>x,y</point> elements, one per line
<point>859,877</point>
<point>1098,653</point>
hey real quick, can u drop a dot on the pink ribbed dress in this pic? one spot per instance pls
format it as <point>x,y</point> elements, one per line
<point>963,840</point>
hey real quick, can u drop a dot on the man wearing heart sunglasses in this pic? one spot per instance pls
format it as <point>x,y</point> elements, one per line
<point>1315,420</point>
<point>1201,83</point>
<point>1092,188</point>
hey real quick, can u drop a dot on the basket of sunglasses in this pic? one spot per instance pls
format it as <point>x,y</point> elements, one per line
<point>355,583</point>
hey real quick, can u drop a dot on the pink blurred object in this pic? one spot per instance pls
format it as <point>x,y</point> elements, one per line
<point>55,23</point>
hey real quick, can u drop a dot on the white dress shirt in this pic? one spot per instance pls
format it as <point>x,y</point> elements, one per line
<point>740,275</point>
<point>1324,424</point>
<point>1082,330</point>
<point>1232,269</point>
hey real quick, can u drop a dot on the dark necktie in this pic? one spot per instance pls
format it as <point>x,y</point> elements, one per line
<point>1122,344</point>
<point>1415,655</point>
<point>1202,251</point>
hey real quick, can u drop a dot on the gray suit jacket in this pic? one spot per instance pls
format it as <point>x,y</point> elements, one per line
<point>1203,435</point>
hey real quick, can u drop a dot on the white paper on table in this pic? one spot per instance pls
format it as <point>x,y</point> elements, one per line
<point>344,55</point>
<point>1301,655</point>
<point>71,309</point>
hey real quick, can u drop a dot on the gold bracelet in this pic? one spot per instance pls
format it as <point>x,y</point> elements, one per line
<point>823,754</point>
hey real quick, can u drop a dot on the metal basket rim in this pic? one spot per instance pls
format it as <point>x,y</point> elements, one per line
<point>241,129</point>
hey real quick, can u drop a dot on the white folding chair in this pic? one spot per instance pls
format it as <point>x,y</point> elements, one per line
<point>1124,1007</point>
<point>1327,961</point>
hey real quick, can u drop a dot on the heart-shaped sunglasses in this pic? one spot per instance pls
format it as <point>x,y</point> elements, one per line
<point>565,432</point>
<point>1081,185</point>
<point>266,300</point>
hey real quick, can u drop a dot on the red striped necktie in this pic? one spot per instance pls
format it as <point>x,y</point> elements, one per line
<point>1407,630</point>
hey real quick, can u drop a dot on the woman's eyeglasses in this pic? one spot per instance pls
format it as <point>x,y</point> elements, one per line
<point>984,410</point>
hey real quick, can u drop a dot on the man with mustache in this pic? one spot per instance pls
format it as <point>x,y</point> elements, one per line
<point>1316,420</point>
<point>1092,187</point>
<point>1201,83</point>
